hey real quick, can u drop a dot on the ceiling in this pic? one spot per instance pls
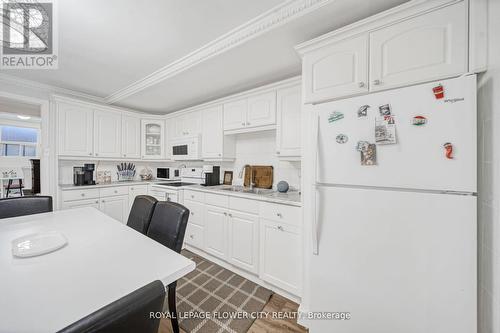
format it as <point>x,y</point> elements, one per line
<point>173,54</point>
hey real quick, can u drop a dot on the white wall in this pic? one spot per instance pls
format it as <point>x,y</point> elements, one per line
<point>489,180</point>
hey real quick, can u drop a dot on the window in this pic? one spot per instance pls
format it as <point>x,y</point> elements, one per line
<point>18,141</point>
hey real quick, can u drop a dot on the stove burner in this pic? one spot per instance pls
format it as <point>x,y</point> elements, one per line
<point>176,184</point>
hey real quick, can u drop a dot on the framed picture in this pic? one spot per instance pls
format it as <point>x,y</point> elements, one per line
<point>228,177</point>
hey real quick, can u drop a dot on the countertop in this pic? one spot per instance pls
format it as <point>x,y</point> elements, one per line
<point>292,198</point>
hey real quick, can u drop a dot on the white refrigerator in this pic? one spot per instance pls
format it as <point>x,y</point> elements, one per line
<point>394,227</point>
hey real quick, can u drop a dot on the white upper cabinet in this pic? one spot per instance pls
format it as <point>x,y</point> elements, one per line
<point>425,48</point>
<point>235,114</point>
<point>153,141</point>
<point>75,129</point>
<point>247,114</point>
<point>107,133</point>
<point>131,137</point>
<point>187,124</point>
<point>288,127</point>
<point>261,110</point>
<point>340,69</point>
<point>215,145</point>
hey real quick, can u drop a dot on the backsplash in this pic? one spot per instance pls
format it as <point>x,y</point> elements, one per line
<point>257,148</point>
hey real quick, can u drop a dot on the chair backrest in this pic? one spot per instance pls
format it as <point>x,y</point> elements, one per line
<point>27,205</point>
<point>141,213</point>
<point>168,224</point>
<point>128,314</point>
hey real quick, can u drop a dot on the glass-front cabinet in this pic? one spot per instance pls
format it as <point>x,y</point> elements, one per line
<point>153,139</point>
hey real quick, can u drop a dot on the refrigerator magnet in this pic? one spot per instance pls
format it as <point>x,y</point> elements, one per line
<point>369,157</point>
<point>385,110</point>
<point>363,111</point>
<point>362,146</point>
<point>419,121</point>
<point>341,138</point>
<point>448,150</point>
<point>385,131</point>
<point>438,91</point>
<point>334,116</point>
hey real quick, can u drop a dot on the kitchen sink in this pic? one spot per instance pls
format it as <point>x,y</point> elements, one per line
<point>242,189</point>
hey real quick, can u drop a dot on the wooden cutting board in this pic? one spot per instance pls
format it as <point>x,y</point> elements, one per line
<point>262,176</point>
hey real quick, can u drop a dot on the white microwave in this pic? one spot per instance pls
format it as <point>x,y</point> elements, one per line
<point>188,148</point>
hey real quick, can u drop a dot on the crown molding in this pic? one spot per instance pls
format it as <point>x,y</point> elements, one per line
<point>279,15</point>
<point>50,89</point>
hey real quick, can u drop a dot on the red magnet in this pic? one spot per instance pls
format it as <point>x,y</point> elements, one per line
<point>449,150</point>
<point>438,92</point>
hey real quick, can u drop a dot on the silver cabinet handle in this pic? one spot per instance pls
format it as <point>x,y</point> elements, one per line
<point>90,154</point>
<point>97,201</point>
<point>377,82</point>
<point>243,124</point>
<point>280,228</point>
<point>124,155</point>
<point>192,213</point>
<point>225,213</point>
<point>279,215</point>
<point>278,152</point>
<point>103,201</point>
<point>132,188</point>
<point>248,123</point>
<point>116,191</point>
<point>192,196</point>
<point>230,215</point>
<point>83,194</point>
<point>96,154</point>
<point>220,154</point>
<point>191,236</point>
<point>361,84</point>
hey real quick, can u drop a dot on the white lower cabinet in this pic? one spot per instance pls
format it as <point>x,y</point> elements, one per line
<point>216,231</point>
<point>134,191</point>
<point>81,204</point>
<point>281,255</point>
<point>115,207</point>
<point>243,240</point>
<point>257,237</point>
<point>194,235</point>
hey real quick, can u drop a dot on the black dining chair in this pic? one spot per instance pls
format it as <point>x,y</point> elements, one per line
<point>141,213</point>
<point>128,314</point>
<point>168,226</point>
<point>27,205</point>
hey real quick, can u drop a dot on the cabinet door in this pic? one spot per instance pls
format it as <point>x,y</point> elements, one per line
<point>107,133</point>
<point>170,135</point>
<point>194,235</point>
<point>261,110</point>
<point>212,132</point>
<point>75,130</point>
<point>188,124</point>
<point>428,47</point>
<point>280,256</point>
<point>81,203</point>
<point>216,231</point>
<point>235,114</point>
<point>131,137</point>
<point>115,207</point>
<point>153,142</point>
<point>243,240</point>
<point>288,126</point>
<point>134,191</point>
<point>340,69</point>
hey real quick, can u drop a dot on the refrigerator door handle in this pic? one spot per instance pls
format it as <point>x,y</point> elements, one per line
<point>314,224</point>
<point>314,205</point>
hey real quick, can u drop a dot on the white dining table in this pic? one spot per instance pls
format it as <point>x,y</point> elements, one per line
<point>103,261</point>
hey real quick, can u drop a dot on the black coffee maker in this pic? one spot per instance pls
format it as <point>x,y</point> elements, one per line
<point>84,175</point>
<point>212,178</point>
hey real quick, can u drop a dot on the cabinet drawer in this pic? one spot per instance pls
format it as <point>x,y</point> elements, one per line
<point>196,211</point>
<point>194,235</point>
<point>281,213</point>
<point>194,196</point>
<point>216,200</point>
<point>80,194</point>
<point>138,189</point>
<point>244,205</point>
<point>112,191</point>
